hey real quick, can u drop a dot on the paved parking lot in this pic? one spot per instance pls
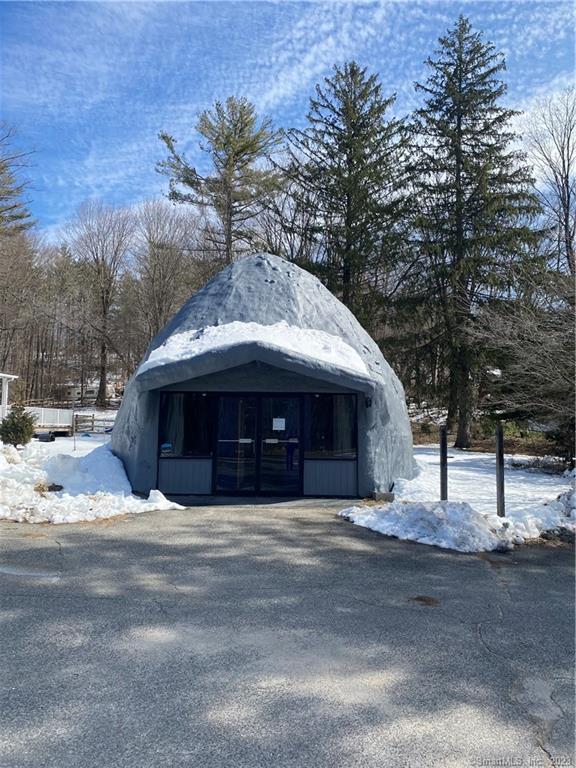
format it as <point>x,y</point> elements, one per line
<point>278,635</point>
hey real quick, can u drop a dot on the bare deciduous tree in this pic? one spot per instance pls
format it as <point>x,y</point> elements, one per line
<point>16,282</point>
<point>100,237</point>
<point>551,141</point>
<point>285,226</point>
<point>530,338</point>
<point>164,265</point>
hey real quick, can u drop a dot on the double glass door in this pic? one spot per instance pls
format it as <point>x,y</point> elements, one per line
<point>259,445</point>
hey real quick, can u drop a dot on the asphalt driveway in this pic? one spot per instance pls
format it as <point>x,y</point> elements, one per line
<point>278,635</point>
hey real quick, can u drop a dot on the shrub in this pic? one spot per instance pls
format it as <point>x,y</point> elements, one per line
<point>17,428</point>
<point>483,427</point>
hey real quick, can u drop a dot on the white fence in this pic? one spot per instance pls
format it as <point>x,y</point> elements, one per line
<point>52,417</point>
<point>47,417</point>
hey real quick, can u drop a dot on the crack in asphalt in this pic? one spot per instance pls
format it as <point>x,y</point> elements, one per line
<point>536,693</point>
<point>549,756</point>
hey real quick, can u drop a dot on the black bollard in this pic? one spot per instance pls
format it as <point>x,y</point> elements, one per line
<point>443,464</point>
<point>500,471</point>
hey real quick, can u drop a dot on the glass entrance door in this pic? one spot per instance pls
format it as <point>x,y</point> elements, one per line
<point>236,450</point>
<point>280,453</point>
<point>258,445</point>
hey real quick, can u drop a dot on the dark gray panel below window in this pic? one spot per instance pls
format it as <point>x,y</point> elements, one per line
<point>330,478</point>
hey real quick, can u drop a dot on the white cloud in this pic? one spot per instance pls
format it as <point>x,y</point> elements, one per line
<point>72,57</point>
<point>323,35</point>
<point>93,83</point>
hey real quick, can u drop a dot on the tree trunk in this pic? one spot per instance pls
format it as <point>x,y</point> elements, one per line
<point>452,402</point>
<point>228,228</point>
<point>347,276</point>
<point>347,284</point>
<point>465,394</point>
<point>569,244</point>
<point>101,397</point>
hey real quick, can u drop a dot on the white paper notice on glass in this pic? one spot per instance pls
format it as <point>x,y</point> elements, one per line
<point>278,425</point>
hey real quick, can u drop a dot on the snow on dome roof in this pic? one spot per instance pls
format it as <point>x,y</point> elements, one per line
<point>302,342</point>
<point>266,290</point>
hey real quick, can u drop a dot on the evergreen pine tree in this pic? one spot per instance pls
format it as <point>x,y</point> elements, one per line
<point>17,428</point>
<point>14,215</point>
<point>348,165</point>
<point>238,185</point>
<point>473,195</point>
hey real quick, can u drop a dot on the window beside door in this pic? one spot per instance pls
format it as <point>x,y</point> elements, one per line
<point>330,426</point>
<point>187,421</point>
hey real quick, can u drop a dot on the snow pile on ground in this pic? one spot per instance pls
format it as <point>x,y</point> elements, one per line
<point>94,484</point>
<point>305,342</point>
<point>452,525</point>
<point>90,473</point>
<point>535,502</point>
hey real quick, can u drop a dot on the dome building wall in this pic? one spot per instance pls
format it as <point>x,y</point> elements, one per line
<point>263,326</point>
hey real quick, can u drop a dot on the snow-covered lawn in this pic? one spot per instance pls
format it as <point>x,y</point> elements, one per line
<point>108,414</point>
<point>468,521</point>
<point>94,484</point>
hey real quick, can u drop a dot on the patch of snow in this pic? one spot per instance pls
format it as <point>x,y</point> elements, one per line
<point>535,502</point>
<point>552,464</point>
<point>424,413</point>
<point>93,479</point>
<point>105,414</point>
<point>306,342</point>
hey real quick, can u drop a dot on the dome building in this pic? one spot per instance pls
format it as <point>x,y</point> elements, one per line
<point>264,384</point>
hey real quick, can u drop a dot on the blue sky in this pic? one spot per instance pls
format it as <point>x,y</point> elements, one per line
<point>88,85</point>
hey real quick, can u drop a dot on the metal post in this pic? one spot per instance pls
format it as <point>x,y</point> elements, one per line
<point>443,464</point>
<point>74,419</point>
<point>500,471</point>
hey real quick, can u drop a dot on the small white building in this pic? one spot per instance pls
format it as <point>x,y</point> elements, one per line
<point>5,379</point>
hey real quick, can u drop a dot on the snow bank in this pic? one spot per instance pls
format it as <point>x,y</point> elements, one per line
<point>447,524</point>
<point>97,471</point>
<point>94,484</point>
<point>535,502</point>
<point>314,344</point>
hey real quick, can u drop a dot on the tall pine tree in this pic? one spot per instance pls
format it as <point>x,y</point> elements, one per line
<point>235,190</point>
<point>347,165</point>
<point>474,198</point>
